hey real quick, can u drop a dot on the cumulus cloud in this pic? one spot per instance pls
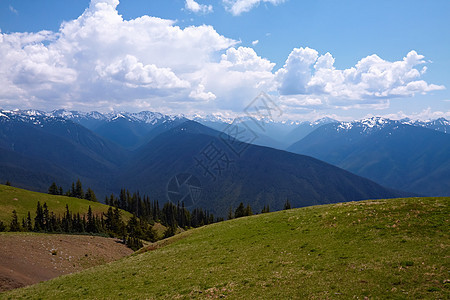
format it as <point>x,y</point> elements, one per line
<point>195,7</point>
<point>237,7</point>
<point>101,61</point>
<point>101,58</point>
<point>307,73</point>
<point>424,115</point>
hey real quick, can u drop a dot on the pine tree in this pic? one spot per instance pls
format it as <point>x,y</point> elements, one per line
<point>39,219</point>
<point>28,223</point>
<point>53,189</point>
<point>14,225</point>
<point>170,231</point>
<point>78,190</point>
<point>72,192</point>
<point>66,221</point>
<point>90,195</point>
<point>230,213</point>
<point>248,210</point>
<point>287,205</point>
<point>2,226</point>
<point>91,225</point>
<point>8,183</point>
<point>45,217</point>
<point>133,227</point>
<point>240,211</point>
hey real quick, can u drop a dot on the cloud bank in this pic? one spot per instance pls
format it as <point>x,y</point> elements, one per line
<point>101,61</point>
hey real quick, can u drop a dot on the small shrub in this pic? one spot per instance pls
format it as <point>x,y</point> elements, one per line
<point>407,263</point>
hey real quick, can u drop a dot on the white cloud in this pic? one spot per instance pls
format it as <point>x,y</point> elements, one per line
<point>307,73</point>
<point>100,61</point>
<point>237,7</point>
<point>193,6</point>
<point>255,42</point>
<point>13,10</point>
<point>424,115</point>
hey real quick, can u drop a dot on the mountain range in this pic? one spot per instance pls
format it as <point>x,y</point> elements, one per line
<point>162,160</point>
<point>406,155</point>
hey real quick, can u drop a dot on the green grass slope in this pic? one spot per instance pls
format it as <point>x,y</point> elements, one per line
<point>396,248</point>
<point>23,201</point>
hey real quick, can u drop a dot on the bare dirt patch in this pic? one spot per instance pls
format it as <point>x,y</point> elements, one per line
<point>30,258</point>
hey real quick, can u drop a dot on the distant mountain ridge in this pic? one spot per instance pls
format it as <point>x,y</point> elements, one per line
<point>371,124</point>
<point>37,148</point>
<point>404,154</point>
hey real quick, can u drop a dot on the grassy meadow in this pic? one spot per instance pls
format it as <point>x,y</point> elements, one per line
<point>24,201</point>
<point>390,249</point>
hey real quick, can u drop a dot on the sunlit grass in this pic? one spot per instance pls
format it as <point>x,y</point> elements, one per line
<point>377,249</point>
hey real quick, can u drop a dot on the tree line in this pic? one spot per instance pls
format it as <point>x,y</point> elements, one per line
<point>76,191</point>
<point>145,213</point>
<point>107,224</point>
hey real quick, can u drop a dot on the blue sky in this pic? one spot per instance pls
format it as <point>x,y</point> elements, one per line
<point>242,51</point>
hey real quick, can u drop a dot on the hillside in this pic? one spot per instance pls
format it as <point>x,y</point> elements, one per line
<point>23,201</point>
<point>394,248</point>
<point>392,153</point>
<point>29,258</point>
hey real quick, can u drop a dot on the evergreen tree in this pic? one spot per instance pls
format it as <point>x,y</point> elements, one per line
<point>170,231</point>
<point>133,227</point>
<point>78,190</point>
<point>45,217</point>
<point>240,211</point>
<point>2,226</point>
<point>66,221</point>
<point>28,224</point>
<point>109,220</point>
<point>123,199</point>
<point>8,183</point>
<point>14,225</point>
<point>90,195</point>
<point>72,192</point>
<point>230,213</point>
<point>134,243</point>
<point>91,225</point>
<point>53,189</point>
<point>118,226</point>
<point>287,205</point>
<point>248,210</point>
<point>39,219</point>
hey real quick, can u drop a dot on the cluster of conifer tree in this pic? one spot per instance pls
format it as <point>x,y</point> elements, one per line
<point>109,223</point>
<point>75,191</point>
<point>139,227</point>
<point>171,215</point>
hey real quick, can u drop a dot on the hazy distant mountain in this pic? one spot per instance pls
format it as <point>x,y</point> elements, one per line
<point>400,154</point>
<point>259,176</point>
<point>305,128</point>
<point>274,134</point>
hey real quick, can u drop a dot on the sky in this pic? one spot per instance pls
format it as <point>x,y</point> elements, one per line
<point>344,59</point>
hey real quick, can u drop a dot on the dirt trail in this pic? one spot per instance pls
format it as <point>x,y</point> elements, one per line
<point>30,258</point>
